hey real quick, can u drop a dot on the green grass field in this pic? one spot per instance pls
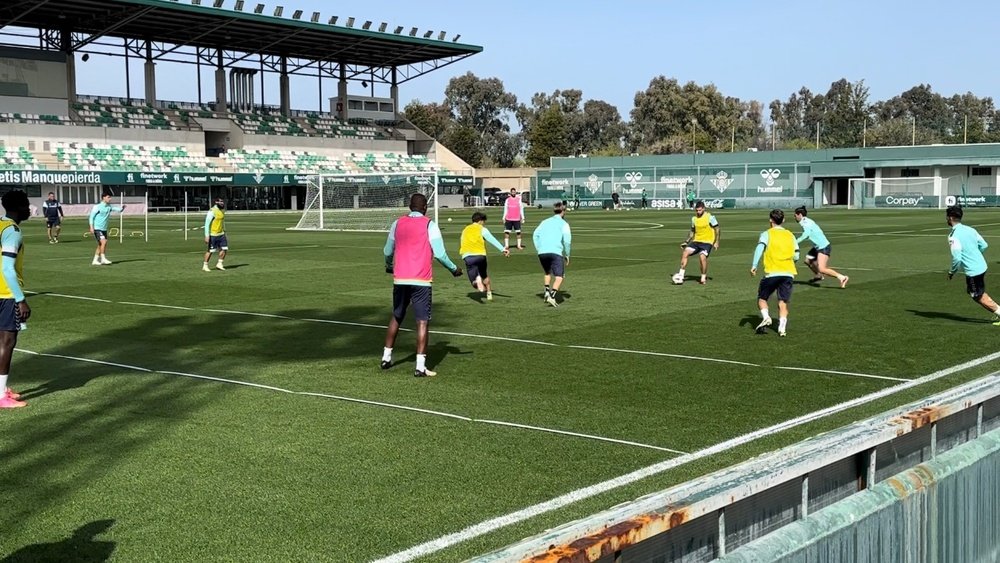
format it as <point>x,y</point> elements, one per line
<point>273,455</point>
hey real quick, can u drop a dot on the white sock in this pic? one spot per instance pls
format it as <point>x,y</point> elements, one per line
<point>421,362</point>
<point>386,354</point>
<point>103,257</point>
<point>997,310</point>
<point>703,276</point>
<point>782,323</point>
<point>3,384</point>
<point>680,272</point>
<point>764,314</point>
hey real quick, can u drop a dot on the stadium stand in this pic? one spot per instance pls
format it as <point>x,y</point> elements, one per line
<point>36,119</point>
<point>117,112</point>
<point>292,161</point>
<point>392,162</point>
<point>92,157</point>
<point>18,158</point>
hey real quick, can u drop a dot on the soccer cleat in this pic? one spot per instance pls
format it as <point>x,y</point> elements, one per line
<point>105,261</point>
<point>220,267</point>
<point>51,241</point>
<point>519,247</point>
<point>843,282</point>
<point>489,296</point>
<point>9,403</point>
<point>386,364</point>
<point>762,327</point>
<point>702,282</point>
<point>96,262</point>
<point>817,279</point>
<point>424,373</point>
<point>551,300</point>
<point>782,333</point>
<point>8,392</point>
<point>205,268</point>
<point>56,239</point>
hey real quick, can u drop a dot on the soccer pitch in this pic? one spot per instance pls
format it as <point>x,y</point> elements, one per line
<point>242,415</point>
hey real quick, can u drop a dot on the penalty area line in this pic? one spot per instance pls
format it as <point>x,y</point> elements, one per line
<point>494,524</point>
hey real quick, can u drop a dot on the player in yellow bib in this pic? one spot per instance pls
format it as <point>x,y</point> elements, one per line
<point>473,251</point>
<point>703,239</point>
<point>215,234</point>
<point>780,251</point>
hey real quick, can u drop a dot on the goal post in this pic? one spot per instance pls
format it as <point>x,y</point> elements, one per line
<point>364,202</point>
<point>898,193</point>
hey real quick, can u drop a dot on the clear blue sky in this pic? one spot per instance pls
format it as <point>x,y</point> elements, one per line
<point>749,49</point>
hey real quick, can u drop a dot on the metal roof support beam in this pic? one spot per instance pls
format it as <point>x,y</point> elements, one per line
<point>434,65</point>
<point>342,112</point>
<point>95,36</point>
<point>220,84</point>
<point>32,6</point>
<point>394,94</point>
<point>193,39</point>
<point>267,46</point>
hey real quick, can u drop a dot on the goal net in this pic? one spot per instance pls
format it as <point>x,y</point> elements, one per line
<point>363,202</point>
<point>897,193</point>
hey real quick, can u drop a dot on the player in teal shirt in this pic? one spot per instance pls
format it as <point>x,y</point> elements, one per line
<point>967,247</point>
<point>99,216</point>
<point>818,258</point>
<point>552,240</point>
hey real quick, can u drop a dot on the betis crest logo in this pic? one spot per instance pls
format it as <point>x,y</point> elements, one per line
<point>593,183</point>
<point>722,180</point>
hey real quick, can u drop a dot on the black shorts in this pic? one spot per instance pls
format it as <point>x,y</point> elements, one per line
<point>509,226</point>
<point>475,266</point>
<point>553,264</point>
<point>976,285</point>
<point>10,320</point>
<point>218,243</point>
<point>700,248</point>
<point>52,222</point>
<point>781,284</point>
<point>417,295</point>
<point>815,252</point>
<point>100,235</point>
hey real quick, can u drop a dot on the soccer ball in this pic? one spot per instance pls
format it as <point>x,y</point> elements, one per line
<point>677,279</point>
<point>449,219</point>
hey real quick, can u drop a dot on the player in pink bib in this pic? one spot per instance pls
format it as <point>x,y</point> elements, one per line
<point>513,217</point>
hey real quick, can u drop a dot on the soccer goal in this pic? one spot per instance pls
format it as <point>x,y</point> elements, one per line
<point>364,202</point>
<point>897,193</point>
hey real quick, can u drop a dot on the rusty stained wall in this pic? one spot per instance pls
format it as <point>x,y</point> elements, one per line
<point>945,510</point>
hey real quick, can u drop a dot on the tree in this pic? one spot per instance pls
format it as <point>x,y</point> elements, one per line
<point>601,127</point>
<point>484,107</point>
<point>900,132</point>
<point>928,108</point>
<point>466,143</point>
<point>433,119</point>
<point>845,113</point>
<point>547,137</point>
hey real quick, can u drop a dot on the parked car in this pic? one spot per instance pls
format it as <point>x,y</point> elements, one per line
<point>494,196</point>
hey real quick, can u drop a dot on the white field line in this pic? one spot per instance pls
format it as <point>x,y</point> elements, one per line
<point>482,336</point>
<point>561,501</point>
<point>351,400</point>
<point>527,427</point>
<point>79,297</point>
<point>832,372</point>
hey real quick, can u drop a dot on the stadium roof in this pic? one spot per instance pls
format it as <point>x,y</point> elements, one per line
<point>215,27</point>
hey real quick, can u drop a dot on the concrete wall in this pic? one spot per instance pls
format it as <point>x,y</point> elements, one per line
<point>505,178</point>
<point>278,142</point>
<point>40,106</point>
<point>945,510</point>
<point>33,137</point>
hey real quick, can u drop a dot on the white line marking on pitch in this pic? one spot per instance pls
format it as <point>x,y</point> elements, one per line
<point>561,501</point>
<point>351,400</point>
<point>483,336</point>
<point>564,432</point>
<point>665,355</point>
<point>834,372</point>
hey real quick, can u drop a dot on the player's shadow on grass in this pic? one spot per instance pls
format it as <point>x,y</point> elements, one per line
<point>235,266</point>
<point>127,260</point>
<point>559,297</point>
<point>82,547</point>
<point>436,353</point>
<point>481,297</point>
<point>948,317</point>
